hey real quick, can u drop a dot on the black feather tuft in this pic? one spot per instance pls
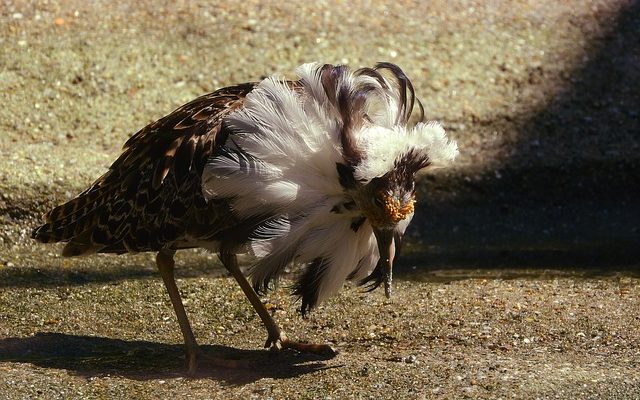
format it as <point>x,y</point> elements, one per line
<point>308,285</point>
<point>345,176</point>
<point>356,223</point>
<point>375,279</point>
<point>405,87</point>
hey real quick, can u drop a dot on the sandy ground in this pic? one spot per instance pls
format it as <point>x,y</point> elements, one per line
<point>543,99</point>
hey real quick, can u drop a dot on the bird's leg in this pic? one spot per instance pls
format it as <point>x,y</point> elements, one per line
<point>276,338</point>
<point>165,263</point>
<point>230,262</point>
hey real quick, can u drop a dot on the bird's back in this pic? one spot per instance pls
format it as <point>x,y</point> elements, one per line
<point>151,196</point>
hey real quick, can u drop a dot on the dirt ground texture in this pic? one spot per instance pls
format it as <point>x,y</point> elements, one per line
<point>520,278</point>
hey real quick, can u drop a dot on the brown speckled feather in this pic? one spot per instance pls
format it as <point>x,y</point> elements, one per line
<point>151,197</point>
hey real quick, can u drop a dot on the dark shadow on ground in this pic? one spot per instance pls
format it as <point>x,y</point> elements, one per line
<point>103,269</point>
<point>449,274</point>
<point>567,195</point>
<point>89,356</point>
<point>55,277</point>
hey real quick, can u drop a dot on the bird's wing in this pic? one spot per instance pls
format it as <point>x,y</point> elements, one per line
<point>151,196</point>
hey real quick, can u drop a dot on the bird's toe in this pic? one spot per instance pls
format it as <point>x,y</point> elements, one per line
<point>324,350</point>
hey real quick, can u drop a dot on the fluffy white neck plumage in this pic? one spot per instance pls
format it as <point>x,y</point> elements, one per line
<point>279,166</point>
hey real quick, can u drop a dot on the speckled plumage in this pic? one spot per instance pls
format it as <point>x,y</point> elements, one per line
<point>151,197</point>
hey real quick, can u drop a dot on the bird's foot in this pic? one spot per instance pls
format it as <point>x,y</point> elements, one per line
<point>279,342</point>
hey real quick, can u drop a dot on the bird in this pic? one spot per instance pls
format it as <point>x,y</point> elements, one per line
<point>317,172</point>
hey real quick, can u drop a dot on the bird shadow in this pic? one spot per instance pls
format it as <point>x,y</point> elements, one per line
<point>91,356</point>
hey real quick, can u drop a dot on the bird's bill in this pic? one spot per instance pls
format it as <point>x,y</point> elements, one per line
<point>387,250</point>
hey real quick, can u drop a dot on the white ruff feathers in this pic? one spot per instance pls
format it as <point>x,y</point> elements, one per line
<point>383,146</point>
<point>280,164</point>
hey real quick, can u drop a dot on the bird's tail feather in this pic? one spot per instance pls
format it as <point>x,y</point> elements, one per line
<point>74,222</point>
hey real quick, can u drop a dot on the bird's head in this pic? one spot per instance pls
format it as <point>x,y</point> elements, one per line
<point>383,153</point>
<point>382,185</point>
<point>386,202</point>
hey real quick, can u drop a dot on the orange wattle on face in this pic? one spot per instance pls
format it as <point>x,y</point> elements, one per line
<point>396,211</point>
<point>391,211</point>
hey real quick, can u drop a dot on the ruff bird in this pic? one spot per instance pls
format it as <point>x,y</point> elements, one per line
<point>318,172</point>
